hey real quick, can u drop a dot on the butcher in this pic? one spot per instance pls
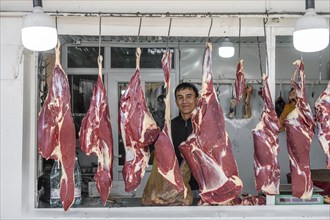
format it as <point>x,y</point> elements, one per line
<point>186,96</point>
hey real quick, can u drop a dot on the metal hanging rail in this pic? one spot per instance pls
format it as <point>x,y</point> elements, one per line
<point>266,14</point>
<point>258,81</point>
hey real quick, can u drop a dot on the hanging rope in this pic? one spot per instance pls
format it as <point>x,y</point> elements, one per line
<point>168,33</point>
<point>208,35</point>
<point>239,39</point>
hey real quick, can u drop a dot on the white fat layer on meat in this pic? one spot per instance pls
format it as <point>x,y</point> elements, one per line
<point>260,126</point>
<point>271,188</point>
<point>293,120</point>
<point>324,142</point>
<point>143,163</point>
<point>105,157</point>
<point>129,152</point>
<point>308,193</point>
<point>169,175</point>
<point>308,189</point>
<point>148,123</point>
<point>87,138</point>
<point>122,129</point>
<point>220,175</point>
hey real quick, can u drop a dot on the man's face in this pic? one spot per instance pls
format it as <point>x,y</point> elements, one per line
<point>186,100</point>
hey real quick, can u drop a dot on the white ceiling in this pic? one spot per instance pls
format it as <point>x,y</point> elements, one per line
<point>172,6</point>
<point>282,16</point>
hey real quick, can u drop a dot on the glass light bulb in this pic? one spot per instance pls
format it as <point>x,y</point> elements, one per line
<point>39,38</point>
<point>226,52</point>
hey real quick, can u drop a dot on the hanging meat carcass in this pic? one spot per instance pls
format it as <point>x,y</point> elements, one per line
<point>208,150</point>
<point>138,130</point>
<point>322,117</point>
<point>240,82</point>
<point>95,136</point>
<point>266,148</point>
<point>168,165</point>
<point>299,125</point>
<point>56,131</point>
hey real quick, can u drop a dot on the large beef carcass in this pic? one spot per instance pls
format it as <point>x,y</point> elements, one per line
<point>95,136</point>
<point>56,131</point>
<point>168,165</point>
<point>138,130</point>
<point>208,150</point>
<point>266,147</point>
<point>322,117</point>
<point>299,125</point>
<point>240,82</point>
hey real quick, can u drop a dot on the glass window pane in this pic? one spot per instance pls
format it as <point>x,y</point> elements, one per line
<point>154,95</point>
<point>84,57</point>
<point>125,57</point>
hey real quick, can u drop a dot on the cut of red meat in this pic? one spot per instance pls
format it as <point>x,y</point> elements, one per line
<point>299,126</point>
<point>266,148</point>
<point>208,150</point>
<point>95,136</point>
<point>322,117</point>
<point>56,131</point>
<point>240,82</point>
<point>138,130</point>
<point>168,165</point>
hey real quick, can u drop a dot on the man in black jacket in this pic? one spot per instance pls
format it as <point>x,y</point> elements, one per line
<point>186,96</point>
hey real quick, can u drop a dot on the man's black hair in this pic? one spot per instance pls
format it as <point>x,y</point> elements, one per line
<point>186,85</point>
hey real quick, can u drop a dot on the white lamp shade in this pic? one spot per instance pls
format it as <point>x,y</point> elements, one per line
<point>38,31</point>
<point>311,32</point>
<point>226,49</point>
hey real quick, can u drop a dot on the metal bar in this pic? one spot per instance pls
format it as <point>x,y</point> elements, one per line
<point>258,81</point>
<point>185,15</point>
<point>310,4</point>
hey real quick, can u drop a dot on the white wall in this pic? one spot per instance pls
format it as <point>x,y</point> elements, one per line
<point>17,146</point>
<point>11,118</point>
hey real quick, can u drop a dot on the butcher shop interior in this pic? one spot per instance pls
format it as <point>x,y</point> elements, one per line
<point>165,109</point>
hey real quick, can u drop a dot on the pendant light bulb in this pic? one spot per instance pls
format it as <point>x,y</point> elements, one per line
<point>226,49</point>
<point>38,31</point>
<point>311,32</point>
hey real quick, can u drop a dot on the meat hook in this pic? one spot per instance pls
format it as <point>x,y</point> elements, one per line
<point>168,33</point>
<point>208,35</point>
